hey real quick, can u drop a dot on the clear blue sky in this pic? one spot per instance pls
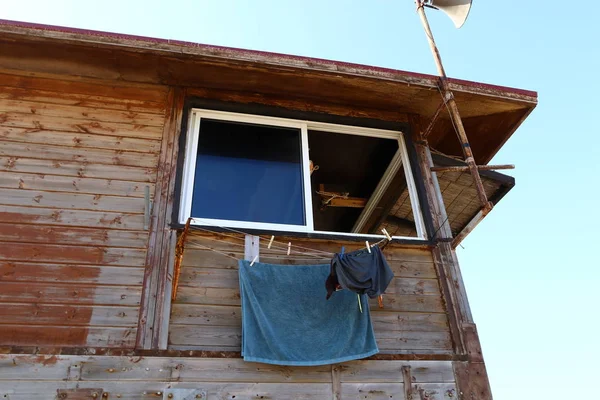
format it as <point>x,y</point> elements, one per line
<point>531,269</point>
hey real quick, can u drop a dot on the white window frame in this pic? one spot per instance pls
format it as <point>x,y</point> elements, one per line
<point>189,169</point>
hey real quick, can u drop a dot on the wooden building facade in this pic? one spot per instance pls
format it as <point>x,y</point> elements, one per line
<point>94,128</point>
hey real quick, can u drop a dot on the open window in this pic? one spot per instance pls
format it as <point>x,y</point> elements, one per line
<point>257,172</point>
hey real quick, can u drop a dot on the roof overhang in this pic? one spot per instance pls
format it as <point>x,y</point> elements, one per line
<point>490,113</point>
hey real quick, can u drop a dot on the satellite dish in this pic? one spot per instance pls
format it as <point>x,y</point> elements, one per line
<point>457,10</point>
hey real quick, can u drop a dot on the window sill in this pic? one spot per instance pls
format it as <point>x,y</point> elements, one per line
<point>354,237</point>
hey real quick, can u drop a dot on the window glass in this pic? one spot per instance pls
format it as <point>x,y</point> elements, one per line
<point>248,172</point>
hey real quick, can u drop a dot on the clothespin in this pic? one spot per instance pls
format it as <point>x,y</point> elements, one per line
<point>270,242</point>
<point>253,261</point>
<point>387,235</point>
<point>359,305</point>
<point>368,246</point>
<point>380,301</point>
<point>289,248</point>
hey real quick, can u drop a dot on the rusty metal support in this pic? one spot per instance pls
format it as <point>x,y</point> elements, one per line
<point>434,119</point>
<point>453,110</point>
<point>458,168</point>
<point>179,249</point>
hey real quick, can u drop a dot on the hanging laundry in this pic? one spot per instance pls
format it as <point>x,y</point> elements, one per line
<point>360,271</point>
<point>286,321</point>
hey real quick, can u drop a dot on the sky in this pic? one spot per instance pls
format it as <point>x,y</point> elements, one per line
<point>531,271</point>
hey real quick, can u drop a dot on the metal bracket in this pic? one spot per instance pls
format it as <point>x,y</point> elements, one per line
<point>184,394</point>
<point>252,248</point>
<point>79,394</point>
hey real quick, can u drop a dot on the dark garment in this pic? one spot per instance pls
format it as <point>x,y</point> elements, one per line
<point>360,271</point>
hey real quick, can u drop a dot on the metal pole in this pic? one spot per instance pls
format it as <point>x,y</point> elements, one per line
<point>453,109</point>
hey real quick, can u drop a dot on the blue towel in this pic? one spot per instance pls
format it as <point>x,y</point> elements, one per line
<point>287,321</point>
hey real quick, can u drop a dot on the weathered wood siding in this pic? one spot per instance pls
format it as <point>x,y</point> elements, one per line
<point>75,157</point>
<point>206,314</point>
<point>24,377</point>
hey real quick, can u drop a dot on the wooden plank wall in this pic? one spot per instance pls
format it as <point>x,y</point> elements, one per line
<point>206,313</point>
<point>24,377</point>
<point>75,157</point>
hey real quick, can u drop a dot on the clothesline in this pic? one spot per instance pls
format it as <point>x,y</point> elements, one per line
<point>331,254</point>
<point>262,237</point>
<point>273,248</point>
<point>312,254</point>
<point>263,256</point>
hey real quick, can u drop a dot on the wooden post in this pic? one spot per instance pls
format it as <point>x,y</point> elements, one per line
<point>471,374</point>
<point>336,381</point>
<point>155,276</point>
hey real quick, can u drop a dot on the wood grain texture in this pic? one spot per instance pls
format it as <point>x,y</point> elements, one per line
<point>191,369</point>
<point>77,169</point>
<point>52,293</point>
<point>491,113</point>
<point>228,278</point>
<point>34,233</point>
<point>60,335</point>
<point>146,377</point>
<point>91,113</point>
<point>75,159</point>
<point>57,314</point>
<point>386,391</point>
<point>153,312</point>
<point>94,101</point>
<point>336,382</point>
<point>79,154</point>
<point>78,218</point>
<point>83,140</point>
<point>222,315</point>
<point>154,390</point>
<point>151,97</point>
<point>71,201</point>
<point>23,271</point>
<point>39,252</point>
<point>54,183</point>
<point>229,338</point>
<point>207,314</point>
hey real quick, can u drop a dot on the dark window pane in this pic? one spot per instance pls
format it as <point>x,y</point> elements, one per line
<point>247,172</point>
<point>355,167</point>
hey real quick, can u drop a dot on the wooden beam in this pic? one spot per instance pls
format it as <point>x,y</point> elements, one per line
<point>442,230</point>
<point>350,202</point>
<point>468,228</point>
<point>338,199</point>
<point>472,379</point>
<point>434,119</point>
<point>159,249</point>
<point>466,169</point>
